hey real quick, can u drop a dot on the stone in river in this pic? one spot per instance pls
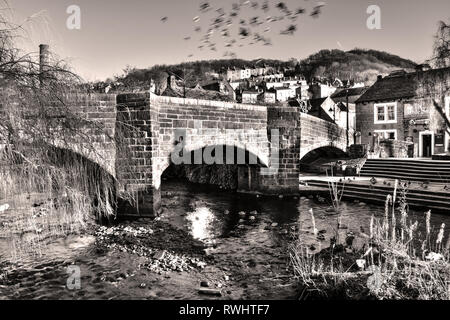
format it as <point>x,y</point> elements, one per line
<point>254,213</point>
<point>210,292</point>
<point>274,224</point>
<point>252,218</point>
<point>241,213</point>
<point>159,255</point>
<point>321,237</point>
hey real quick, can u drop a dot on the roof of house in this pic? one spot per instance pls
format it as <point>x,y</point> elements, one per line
<point>398,85</point>
<point>353,94</point>
<point>316,103</point>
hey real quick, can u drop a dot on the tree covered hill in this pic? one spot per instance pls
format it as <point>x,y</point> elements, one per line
<point>358,64</point>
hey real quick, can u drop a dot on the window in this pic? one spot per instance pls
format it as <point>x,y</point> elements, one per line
<point>380,114</point>
<point>385,113</point>
<point>387,134</point>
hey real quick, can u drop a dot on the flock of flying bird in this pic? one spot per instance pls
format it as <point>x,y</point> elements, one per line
<point>248,28</point>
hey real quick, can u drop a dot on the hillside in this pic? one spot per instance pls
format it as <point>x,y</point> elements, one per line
<point>194,72</point>
<point>357,64</point>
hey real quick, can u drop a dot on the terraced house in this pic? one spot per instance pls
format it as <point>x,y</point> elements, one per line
<point>396,117</point>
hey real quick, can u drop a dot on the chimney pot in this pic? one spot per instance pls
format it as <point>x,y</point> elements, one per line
<point>43,59</point>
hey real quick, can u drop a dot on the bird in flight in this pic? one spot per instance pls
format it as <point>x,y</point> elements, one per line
<point>290,30</point>
<point>236,21</point>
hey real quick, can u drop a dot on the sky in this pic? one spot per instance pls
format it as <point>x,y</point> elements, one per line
<point>114,33</point>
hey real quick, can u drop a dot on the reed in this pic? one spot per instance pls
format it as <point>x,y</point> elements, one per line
<point>396,261</point>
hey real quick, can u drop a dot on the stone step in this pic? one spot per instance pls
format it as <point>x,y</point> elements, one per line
<point>428,200</point>
<point>438,174</point>
<point>409,177</point>
<point>385,190</point>
<point>409,169</point>
<point>411,162</point>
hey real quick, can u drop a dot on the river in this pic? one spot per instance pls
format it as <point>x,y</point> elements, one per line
<point>246,255</point>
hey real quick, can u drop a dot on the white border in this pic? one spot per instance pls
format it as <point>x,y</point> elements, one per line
<point>385,105</point>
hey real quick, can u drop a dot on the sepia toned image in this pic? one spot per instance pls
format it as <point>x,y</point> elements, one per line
<point>213,153</point>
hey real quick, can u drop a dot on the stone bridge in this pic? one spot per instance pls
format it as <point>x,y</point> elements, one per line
<point>143,133</point>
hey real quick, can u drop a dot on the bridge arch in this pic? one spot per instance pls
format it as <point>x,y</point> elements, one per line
<point>231,168</point>
<point>83,174</point>
<point>324,146</point>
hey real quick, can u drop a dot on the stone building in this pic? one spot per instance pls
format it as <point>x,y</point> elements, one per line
<point>398,110</point>
<point>250,97</point>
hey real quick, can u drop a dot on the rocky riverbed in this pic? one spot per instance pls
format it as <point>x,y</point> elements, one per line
<point>208,244</point>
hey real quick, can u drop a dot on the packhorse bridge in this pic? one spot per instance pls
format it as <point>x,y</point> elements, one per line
<point>142,134</point>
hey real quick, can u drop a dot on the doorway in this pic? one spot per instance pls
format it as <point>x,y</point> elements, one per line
<point>426,144</point>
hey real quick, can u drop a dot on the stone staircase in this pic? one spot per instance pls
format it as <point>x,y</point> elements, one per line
<point>405,169</point>
<point>437,201</point>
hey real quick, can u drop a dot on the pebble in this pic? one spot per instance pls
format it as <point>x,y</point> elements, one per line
<point>274,225</point>
<point>321,237</point>
<point>241,213</point>
<point>252,218</point>
<point>210,292</point>
<point>142,285</point>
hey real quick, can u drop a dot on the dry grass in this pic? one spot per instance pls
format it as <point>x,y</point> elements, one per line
<point>397,261</point>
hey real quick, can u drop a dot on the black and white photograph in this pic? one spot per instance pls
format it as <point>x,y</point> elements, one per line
<point>213,153</point>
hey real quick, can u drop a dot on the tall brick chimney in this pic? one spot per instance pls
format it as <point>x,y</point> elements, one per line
<point>44,52</point>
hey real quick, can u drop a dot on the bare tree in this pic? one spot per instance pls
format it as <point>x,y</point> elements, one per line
<point>438,86</point>
<point>441,49</point>
<point>41,117</point>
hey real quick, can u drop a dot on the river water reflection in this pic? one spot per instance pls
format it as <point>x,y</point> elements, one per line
<point>251,249</point>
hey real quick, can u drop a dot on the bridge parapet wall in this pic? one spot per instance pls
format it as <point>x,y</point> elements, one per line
<point>97,140</point>
<point>317,133</point>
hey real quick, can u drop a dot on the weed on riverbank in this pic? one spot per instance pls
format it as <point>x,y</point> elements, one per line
<point>400,259</point>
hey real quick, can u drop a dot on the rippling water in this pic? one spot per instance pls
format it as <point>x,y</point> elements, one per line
<point>253,251</point>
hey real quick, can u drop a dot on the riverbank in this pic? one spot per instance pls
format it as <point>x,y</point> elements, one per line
<point>208,244</point>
